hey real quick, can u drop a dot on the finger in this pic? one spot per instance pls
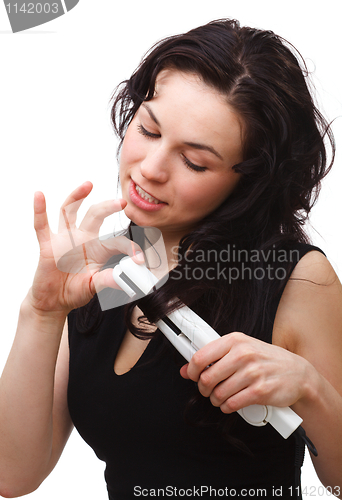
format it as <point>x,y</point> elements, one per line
<point>214,351</point>
<point>121,244</point>
<point>226,389</point>
<point>68,212</point>
<point>239,400</point>
<point>103,279</point>
<point>96,214</point>
<point>73,258</point>
<point>138,257</point>
<point>215,374</point>
<point>184,371</point>
<point>41,223</point>
<point>206,356</point>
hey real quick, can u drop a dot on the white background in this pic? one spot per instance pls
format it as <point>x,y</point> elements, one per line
<point>55,133</point>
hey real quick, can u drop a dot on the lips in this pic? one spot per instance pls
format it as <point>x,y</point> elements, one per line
<point>143,199</point>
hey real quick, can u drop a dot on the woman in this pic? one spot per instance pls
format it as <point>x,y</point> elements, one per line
<point>223,152</point>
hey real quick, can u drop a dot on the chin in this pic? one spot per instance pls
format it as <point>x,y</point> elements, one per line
<point>136,218</point>
<point>129,213</point>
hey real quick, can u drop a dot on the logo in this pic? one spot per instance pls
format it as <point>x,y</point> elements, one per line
<point>24,15</point>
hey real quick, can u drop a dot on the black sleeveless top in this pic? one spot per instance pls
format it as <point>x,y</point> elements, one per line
<point>141,425</point>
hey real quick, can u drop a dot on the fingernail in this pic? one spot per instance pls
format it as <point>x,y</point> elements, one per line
<point>139,256</point>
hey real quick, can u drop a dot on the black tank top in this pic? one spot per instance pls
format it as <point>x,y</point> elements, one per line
<point>141,426</point>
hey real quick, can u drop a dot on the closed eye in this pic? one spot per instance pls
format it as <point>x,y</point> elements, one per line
<point>191,165</point>
<point>142,130</point>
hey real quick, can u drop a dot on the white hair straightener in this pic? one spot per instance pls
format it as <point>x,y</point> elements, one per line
<point>188,332</point>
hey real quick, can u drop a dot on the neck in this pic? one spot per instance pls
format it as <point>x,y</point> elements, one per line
<point>162,256</point>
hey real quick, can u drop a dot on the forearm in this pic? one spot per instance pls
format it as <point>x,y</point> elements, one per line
<point>26,397</point>
<point>321,411</point>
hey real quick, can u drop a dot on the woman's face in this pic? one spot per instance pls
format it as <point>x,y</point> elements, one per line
<point>177,155</point>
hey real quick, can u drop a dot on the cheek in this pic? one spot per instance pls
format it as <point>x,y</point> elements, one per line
<point>195,201</point>
<point>204,198</point>
<point>210,193</point>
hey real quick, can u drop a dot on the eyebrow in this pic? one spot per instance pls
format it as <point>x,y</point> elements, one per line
<point>204,147</point>
<point>195,145</point>
<point>150,112</point>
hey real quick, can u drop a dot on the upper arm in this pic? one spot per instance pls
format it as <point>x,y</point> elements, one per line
<point>309,316</point>
<point>62,424</point>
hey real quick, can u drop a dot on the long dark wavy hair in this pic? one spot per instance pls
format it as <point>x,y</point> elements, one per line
<point>264,79</point>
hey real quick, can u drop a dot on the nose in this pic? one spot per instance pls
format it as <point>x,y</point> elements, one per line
<point>155,166</point>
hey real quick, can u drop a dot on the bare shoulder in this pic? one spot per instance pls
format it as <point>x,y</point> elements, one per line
<point>315,267</point>
<point>309,316</point>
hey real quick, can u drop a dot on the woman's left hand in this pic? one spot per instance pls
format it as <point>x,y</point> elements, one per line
<point>236,371</point>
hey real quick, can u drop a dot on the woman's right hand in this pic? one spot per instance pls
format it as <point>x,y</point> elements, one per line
<point>69,269</point>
